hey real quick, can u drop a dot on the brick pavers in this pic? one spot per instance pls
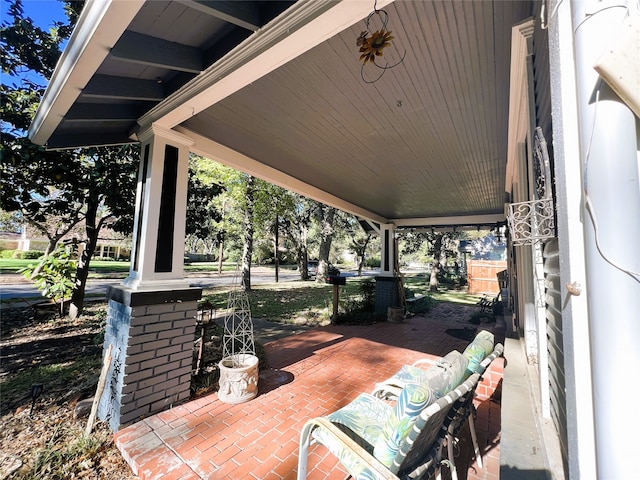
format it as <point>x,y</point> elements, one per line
<point>311,374</point>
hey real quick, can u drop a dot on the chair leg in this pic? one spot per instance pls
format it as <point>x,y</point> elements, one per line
<point>451,458</point>
<point>474,439</point>
<point>305,441</point>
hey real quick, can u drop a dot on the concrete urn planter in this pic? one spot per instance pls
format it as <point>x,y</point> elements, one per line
<point>238,378</point>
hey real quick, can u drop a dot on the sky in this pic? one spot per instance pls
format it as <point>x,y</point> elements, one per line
<point>42,12</point>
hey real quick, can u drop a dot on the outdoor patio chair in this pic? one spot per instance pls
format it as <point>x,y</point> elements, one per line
<point>486,303</point>
<point>475,352</point>
<point>374,440</point>
<point>465,410</point>
<point>479,354</point>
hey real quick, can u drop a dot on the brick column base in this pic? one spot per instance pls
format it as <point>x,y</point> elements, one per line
<point>387,293</point>
<point>151,336</point>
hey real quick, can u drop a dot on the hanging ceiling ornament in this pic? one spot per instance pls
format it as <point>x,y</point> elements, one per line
<point>372,43</point>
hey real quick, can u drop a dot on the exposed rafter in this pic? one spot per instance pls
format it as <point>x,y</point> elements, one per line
<point>92,112</point>
<point>123,88</point>
<point>242,14</point>
<point>143,49</point>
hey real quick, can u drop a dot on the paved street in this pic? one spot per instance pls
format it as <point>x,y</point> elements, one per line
<point>259,275</point>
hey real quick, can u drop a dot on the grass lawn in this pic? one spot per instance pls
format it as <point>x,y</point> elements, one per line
<point>287,301</point>
<point>12,265</point>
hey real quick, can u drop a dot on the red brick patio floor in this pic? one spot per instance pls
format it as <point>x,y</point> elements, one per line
<point>311,374</point>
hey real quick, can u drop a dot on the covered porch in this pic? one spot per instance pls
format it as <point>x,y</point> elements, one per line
<point>443,140</point>
<point>311,374</point>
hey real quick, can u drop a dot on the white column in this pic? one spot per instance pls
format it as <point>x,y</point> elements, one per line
<point>611,194</point>
<point>568,171</point>
<point>387,250</point>
<point>157,254</point>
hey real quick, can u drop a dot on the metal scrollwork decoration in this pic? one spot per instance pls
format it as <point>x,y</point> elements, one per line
<point>541,167</point>
<point>534,221</point>
<point>372,43</point>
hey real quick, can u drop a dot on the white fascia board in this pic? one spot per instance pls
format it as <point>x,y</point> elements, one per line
<point>487,219</point>
<point>297,30</point>
<point>219,153</point>
<point>99,27</point>
<point>518,98</point>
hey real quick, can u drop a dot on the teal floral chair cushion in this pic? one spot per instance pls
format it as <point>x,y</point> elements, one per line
<point>376,426</point>
<point>412,400</point>
<point>486,335</point>
<point>446,374</point>
<point>363,420</point>
<point>409,374</point>
<point>477,350</point>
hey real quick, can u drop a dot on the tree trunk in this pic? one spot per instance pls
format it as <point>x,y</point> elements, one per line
<point>276,242</point>
<point>82,271</point>
<point>220,252</point>
<point>361,252</point>
<point>326,236</point>
<point>247,250</point>
<point>435,267</point>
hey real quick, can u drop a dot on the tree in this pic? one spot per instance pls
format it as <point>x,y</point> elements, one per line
<point>10,221</point>
<point>56,190</point>
<point>296,226</point>
<point>440,245</point>
<point>203,213</point>
<point>326,216</point>
<point>54,277</point>
<point>248,185</point>
<point>108,182</point>
<point>359,244</point>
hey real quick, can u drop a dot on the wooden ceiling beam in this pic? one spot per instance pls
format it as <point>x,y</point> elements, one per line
<point>143,49</point>
<point>124,88</point>
<point>242,14</point>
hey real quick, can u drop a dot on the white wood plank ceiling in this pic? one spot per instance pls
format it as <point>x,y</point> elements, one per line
<point>427,141</point>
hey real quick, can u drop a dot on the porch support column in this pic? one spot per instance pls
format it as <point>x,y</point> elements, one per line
<point>151,317</point>
<point>387,283</point>
<point>159,230</point>
<point>387,250</point>
<point>611,193</point>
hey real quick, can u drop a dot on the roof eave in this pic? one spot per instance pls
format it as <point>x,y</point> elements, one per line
<point>99,27</point>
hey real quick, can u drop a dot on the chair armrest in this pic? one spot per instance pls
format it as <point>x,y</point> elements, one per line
<point>429,361</point>
<point>363,456</point>
<point>387,390</point>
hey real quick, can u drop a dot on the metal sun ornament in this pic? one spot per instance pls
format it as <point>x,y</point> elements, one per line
<point>372,44</point>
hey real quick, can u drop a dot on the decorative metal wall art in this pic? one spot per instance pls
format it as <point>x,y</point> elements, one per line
<point>534,221</point>
<point>372,42</point>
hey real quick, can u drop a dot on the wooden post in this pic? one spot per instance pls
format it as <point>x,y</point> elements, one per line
<point>336,296</point>
<point>101,383</point>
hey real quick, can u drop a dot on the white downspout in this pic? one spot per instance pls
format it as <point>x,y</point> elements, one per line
<point>609,154</point>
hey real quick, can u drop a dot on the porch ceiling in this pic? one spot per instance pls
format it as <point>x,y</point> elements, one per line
<point>424,145</point>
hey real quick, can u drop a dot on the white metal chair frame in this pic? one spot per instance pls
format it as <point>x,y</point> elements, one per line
<point>420,453</point>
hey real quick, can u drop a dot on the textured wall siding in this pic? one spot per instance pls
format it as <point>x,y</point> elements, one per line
<point>555,341</point>
<point>551,252</point>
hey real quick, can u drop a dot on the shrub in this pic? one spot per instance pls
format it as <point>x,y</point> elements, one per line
<point>7,254</point>
<point>422,304</point>
<point>360,310</point>
<point>54,275</point>
<point>478,317</point>
<point>372,262</point>
<point>28,255</point>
